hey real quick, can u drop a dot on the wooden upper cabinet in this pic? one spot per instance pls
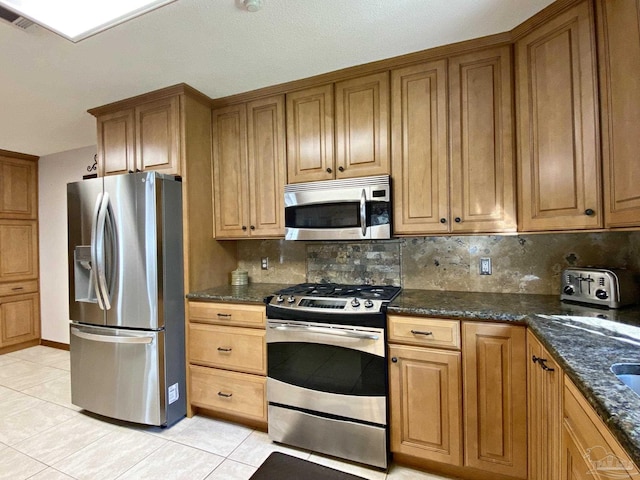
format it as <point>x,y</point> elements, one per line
<point>266,172</point>
<point>362,126</point>
<point>310,149</point>
<point>559,164</point>
<point>231,196</point>
<point>495,398</point>
<point>482,142</point>
<point>249,169</point>
<point>116,143</point>
<point>157,127</point>
<point>18,188</point>
<point>18,250</point>
<point>619,54</point>
<point>544,389</point>
<point>419,157</point>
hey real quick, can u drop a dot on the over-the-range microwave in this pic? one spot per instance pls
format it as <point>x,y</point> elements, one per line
<point>348,209</point>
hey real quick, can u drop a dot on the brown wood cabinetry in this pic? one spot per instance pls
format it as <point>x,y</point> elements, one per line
<point>18,188</point>
<point>619,66</point>
<point>143,137</point>
<point>495,398</point>
<point>249,169</point>
<point>472,190</point>
<point>19,298</point>
<point>227,360</point>
<point>559,162</point>
<point>544,391</point>
<point>589,450</point>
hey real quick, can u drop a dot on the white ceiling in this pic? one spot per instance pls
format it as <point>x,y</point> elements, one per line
<point>47,83</point>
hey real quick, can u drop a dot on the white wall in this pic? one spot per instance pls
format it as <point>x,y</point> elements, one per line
<point>54,172</point>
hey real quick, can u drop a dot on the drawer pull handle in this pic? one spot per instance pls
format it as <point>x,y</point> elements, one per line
<point>224,315</point>
<point>15,289</point>
<point>225,395</point>
<point>224,349</point>
<point>420,332</point>
<point>543,365</point>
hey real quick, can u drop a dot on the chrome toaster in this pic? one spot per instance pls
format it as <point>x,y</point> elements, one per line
<point>607,287</point>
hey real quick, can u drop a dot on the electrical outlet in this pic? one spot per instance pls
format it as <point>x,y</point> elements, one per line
<point>485,266</point>
<point>264,264</point>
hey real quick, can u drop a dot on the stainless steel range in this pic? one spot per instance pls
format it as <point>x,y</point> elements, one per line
<point>327,369</point>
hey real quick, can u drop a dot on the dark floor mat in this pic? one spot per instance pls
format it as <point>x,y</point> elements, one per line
<point>279,466</point>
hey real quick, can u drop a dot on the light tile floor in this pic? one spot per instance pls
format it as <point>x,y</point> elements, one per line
<point>44,437</point>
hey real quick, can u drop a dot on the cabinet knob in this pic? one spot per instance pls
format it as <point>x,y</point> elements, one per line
<point>443,220</point>
<point>589,211</point>
<point>244,227</point>
<point>394,359</point>
<point>329,170</point>
<point>252,227</point>
<point>341,168</point>
<point>457,219</point>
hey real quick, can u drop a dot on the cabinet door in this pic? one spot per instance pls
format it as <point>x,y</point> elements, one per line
<point>18,250</point>
<point>231,195</point>
<point>310,149</point>
<point>495,398</point>
<point>425,403</point>
<point>157,126</point>
<point>544,411</point>
<point>116,143</point>
<point>362,126</point>
<point>482,150</point>
<point>419,156</point>
<point>619,49</point>
<point>19,319</point>
<point>559,170</point>
<point>266,161</point>
<point>18,188</point>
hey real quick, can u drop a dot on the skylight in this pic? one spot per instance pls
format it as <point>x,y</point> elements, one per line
<point>78,19</point>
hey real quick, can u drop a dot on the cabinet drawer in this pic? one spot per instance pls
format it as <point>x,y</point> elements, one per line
<point>230,392</point>
<point>233,348</point>
<point>18,288</point>
<point>227,314</point>
<point>424,331</point>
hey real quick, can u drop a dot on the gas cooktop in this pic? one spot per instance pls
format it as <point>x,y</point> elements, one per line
<point>337,290</point>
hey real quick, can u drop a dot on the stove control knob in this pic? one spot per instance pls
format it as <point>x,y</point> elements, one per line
<point>280,299</point>
<point>355,303</point>
<point>602,294</point>
<point>368,303</point>
<point>291,299</point>
<point>569,290</point>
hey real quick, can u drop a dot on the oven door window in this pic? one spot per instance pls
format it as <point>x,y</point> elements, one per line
<point>327,368</point>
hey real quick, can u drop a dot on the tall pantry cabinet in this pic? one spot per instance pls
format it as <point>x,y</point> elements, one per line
<point>19,297</point>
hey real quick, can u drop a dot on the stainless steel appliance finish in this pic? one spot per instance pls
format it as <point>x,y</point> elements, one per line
<point>349,209</point>
<point>126,301</point>
<point>606,287</point>
<point>327,370</point>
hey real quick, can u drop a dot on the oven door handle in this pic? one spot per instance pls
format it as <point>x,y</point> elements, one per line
<point>325,331</point>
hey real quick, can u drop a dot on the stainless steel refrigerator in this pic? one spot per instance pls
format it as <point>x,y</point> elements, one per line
<point>126,298</point>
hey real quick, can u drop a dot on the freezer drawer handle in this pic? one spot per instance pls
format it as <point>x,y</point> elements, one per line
<point>223,349</point>
<point>110,338</point>
<point>225,395</point>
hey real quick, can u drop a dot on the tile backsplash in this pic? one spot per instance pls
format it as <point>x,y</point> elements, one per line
<point>520,263</point>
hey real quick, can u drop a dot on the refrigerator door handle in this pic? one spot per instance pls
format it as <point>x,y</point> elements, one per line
<point>102,252</point>
<point>94,251</point>
<point>111,338</point>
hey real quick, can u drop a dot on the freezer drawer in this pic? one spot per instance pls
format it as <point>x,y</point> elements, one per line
<point>120,374</point>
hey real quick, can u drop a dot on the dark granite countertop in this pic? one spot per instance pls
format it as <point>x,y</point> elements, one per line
<point>584,353</point>
<point>251,293</point>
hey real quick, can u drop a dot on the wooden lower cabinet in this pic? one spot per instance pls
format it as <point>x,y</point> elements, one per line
<point>544,390</point>
<point>19,319</point>
<point>589,450</point>
<point>425,403</point>
<point>229,392</point>
<point>495,398</point>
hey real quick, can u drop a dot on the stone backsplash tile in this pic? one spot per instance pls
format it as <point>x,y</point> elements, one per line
<point>521,263</point>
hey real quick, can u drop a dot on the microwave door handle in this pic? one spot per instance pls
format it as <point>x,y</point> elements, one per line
<point>95,267</point>
<point>363,212</point>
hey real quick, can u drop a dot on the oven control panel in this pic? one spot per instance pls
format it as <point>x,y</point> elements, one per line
<point>612,288</point>
<point>339,305</point>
